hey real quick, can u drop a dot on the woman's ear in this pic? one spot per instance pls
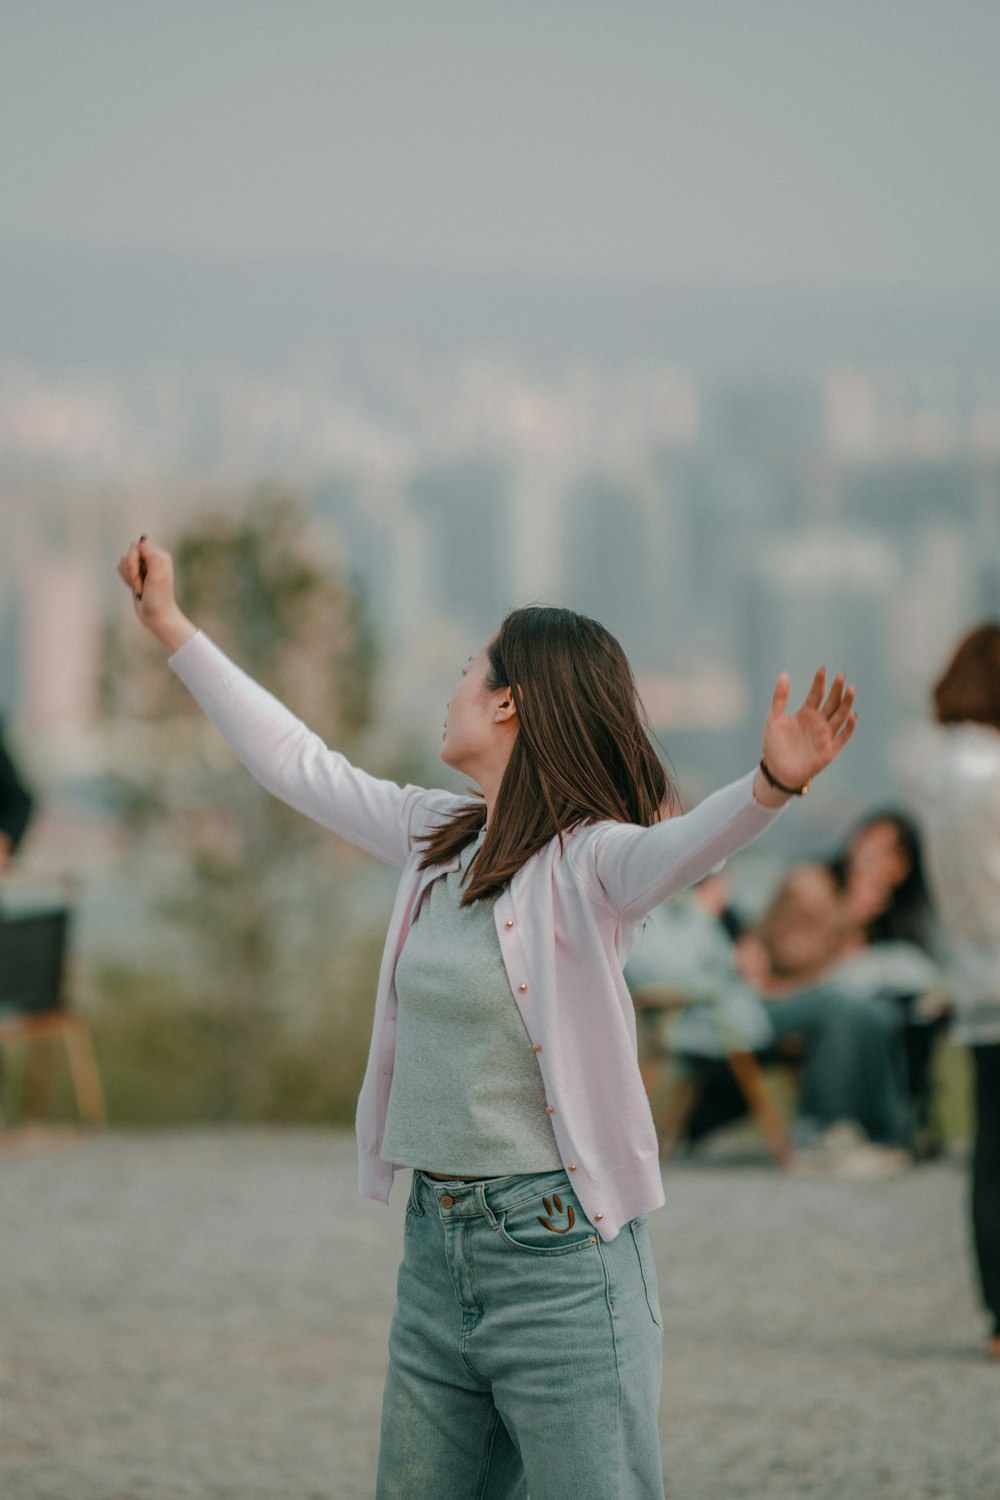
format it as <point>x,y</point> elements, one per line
<point>505,710</point>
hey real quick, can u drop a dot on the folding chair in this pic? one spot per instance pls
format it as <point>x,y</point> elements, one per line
<point>656,1006</point>
<point>33,1003</point>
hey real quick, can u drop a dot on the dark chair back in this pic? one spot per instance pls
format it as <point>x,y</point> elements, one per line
<point>32,957</point>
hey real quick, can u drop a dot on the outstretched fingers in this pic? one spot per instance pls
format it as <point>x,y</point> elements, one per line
<point>779,698</point>
<point>844,714</point>
<point>814,697</point>
<point>835,696</point>
<point>843,733</point>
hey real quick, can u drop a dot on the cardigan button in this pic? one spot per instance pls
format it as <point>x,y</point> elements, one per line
<point>598,1218</point>
<point>509,922</point>
<point>537,1047</point>
<point>522,988</point>
<point>571,1166</point>
<point>549,1109</point>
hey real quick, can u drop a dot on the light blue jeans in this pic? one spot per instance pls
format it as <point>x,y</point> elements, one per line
<point>525,1353</point>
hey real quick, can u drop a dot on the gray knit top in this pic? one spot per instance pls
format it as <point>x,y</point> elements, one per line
<point>467,1095</point>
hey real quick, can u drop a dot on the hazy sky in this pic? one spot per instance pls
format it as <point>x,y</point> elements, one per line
<point>757,140</point>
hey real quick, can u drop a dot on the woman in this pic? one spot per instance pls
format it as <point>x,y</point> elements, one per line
<point>961,811</point>
<point>884,875</point>
<point>883,870</point>
<point>525,1348</point>
<point>814,968</point>
<point>801,971</point>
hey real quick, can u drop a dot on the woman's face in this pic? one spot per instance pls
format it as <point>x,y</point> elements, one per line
<point>477,718</point>
<point>877,866</point>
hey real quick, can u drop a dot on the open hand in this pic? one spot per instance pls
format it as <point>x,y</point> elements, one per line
<point>798,746</point>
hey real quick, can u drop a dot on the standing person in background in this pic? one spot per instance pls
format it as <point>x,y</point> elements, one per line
<point>961,812</point>
<point>525,1351</point>
<point>15,807</point>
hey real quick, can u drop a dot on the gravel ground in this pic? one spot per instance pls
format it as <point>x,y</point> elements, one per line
<point>205,1314</point>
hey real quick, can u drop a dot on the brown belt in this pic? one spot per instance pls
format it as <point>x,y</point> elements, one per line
<point>444,1177</point>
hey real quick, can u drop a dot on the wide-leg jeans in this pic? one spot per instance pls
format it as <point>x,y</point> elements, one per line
<point>525,1353</point>
<point>986,1178</point>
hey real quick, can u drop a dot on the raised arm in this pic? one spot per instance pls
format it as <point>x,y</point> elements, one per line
<point>638,867</point>
<point>283,754</point>
<point>149,573</point>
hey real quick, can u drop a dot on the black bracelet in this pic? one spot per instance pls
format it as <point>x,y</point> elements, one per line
<point>779,786</point>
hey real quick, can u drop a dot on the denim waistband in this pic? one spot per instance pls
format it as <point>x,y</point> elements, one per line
<point>485,1197</point>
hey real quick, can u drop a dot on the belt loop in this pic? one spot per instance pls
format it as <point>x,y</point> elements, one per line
<point>481,1196</point>
<point>414,1195</point>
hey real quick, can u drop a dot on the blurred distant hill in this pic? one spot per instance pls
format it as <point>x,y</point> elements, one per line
<point>64,306</point>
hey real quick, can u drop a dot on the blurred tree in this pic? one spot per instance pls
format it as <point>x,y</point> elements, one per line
<point>264,588</point>
<point>264,935</point>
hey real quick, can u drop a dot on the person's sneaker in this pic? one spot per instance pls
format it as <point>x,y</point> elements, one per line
<point>827,1148</point>
<point>871,1163</point>
<point>839,1140</point>
<point>843,1150</point>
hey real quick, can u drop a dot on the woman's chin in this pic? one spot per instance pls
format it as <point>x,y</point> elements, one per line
<point>455,761</point>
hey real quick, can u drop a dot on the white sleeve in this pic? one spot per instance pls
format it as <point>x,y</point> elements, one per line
<point>291,761</point>
<point>636,867</point>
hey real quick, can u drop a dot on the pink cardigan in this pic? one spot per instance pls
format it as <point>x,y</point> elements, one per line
<point>566,924</point>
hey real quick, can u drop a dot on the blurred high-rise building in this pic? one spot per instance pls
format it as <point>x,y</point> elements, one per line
<point>366,529</point>
<point>765,419</point>
<point>618,567</point>
<point>825,598</point>
<point>61,647</point>
<point>936,597</point>
<point>466,509</point>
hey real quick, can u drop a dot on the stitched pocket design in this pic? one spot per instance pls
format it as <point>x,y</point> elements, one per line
<point>561,1229</point>
<point>570,1215</point>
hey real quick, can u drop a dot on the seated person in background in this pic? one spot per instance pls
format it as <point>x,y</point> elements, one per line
<point>885,875</point>
<point>809,956</point>
<point>815,929</point>
<point>882,866</point>
<point>15,808</point>
<point>685,953</point>
<point>800,971</point>
<point>806,928</point>
<point>15,814</point>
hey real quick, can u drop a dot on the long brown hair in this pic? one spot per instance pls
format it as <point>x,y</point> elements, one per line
<point>969,688</point>
<point>582,753</point>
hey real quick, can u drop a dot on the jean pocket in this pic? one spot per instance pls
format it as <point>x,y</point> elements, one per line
<point>647,1265</point>
<point>551,1224</point>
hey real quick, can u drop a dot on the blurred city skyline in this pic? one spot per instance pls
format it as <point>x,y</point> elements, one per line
<point>723,530</point>
<point>690,321</point>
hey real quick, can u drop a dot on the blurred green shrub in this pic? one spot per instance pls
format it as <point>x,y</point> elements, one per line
<point>251,999</point>
<point>170,1055</point>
